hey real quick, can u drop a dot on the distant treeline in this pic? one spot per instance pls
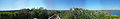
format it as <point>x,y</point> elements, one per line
<point>73,13</point>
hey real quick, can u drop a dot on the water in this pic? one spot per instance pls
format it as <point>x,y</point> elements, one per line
<point>113,12</point>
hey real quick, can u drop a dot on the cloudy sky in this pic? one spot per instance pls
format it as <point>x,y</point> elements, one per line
<point>60,4</point>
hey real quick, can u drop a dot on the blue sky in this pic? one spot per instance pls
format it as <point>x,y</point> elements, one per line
<point>60,4</point>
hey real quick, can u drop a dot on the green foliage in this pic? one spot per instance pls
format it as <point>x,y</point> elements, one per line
<point>77,13</point>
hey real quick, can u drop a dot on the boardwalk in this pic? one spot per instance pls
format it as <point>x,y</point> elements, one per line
<point>55,16</point>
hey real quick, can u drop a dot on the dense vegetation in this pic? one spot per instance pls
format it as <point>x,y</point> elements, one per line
<point>76,13</point>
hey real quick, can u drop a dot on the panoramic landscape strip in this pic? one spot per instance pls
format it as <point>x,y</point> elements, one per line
<point>73,13</point>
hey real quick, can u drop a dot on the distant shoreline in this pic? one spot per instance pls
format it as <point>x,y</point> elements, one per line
<point>110,10</point>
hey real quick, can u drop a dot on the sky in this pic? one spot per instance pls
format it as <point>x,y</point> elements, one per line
<point>60,4</point>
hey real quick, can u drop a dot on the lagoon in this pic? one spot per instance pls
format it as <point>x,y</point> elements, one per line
<point>113,12</point>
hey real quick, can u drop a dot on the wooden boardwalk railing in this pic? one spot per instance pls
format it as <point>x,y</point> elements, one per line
<point>55,16</point>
